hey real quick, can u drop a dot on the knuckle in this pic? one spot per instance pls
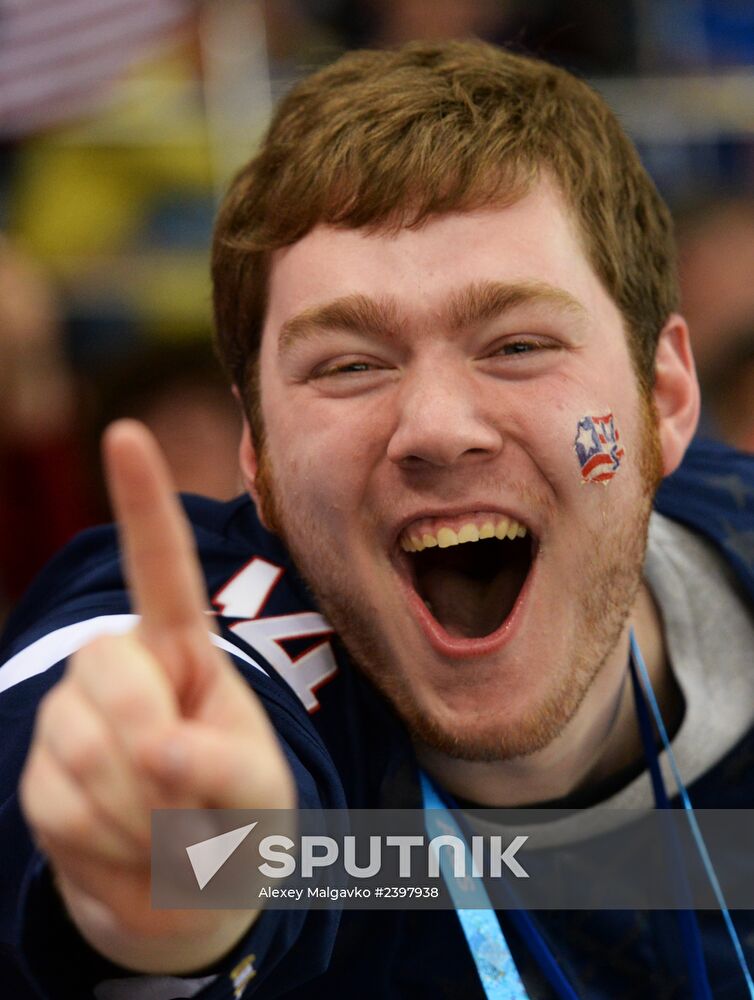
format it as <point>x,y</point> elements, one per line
<point>50,820</point>
<point>116,673</point>
<point>140,837</point>
<point>72,737</point>
<point>82,754</point>
<point>73,826</point>
<point>51,710</point>
<point>27,788</point>
<point>101,653</point>
<point>124,704</point>
<point>90,655</point>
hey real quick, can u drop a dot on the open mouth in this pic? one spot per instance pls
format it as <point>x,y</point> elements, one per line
<point>470,580</point>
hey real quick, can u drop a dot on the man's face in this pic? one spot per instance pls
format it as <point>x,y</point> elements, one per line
<point>427,385</point>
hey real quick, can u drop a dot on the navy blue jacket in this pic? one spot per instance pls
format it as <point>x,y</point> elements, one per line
<point>350,751</point>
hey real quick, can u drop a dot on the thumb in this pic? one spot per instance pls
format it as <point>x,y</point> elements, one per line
<point>219,769</point>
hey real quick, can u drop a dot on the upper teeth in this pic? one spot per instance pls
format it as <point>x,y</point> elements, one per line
<point>503,527</point>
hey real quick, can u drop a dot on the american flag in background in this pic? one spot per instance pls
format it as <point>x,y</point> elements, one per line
<point>57,57</point>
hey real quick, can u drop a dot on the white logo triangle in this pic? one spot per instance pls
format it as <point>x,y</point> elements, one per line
<point>208,856</point>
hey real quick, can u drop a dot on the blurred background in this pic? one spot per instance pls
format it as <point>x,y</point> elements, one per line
<point>121,122</point>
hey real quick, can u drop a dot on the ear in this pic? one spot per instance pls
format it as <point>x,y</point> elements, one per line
<point>248,461</point>
<point>676,392</point>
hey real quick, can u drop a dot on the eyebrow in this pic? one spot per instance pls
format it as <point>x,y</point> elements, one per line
<point>352,313</point>
<point>486,300</point>
<point>477,303</point>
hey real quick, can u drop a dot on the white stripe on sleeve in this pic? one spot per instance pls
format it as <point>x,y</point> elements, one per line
<point>57,645</point>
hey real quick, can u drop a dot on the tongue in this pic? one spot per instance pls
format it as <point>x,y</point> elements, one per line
<point>468,607</point>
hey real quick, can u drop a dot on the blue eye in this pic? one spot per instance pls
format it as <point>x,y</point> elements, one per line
<point>344,368</point>
<point>336,368</point>
<point>527,345</point>
<point>355,366</point>
<point>519,347</point>
<point>516,347</point>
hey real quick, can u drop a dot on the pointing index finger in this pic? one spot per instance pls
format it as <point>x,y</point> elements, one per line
<point>163,571</point>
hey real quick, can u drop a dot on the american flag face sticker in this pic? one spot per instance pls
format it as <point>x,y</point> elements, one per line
<point>598,448</point>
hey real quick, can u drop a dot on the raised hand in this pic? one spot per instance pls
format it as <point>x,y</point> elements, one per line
<point>153,719</point>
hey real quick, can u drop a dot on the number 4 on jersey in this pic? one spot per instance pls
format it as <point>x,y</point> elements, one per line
<point>244,597</point>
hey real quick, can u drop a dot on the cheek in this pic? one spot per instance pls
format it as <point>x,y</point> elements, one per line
<point>323,456</point>
<point>590,454</point>
<point>599,447</point>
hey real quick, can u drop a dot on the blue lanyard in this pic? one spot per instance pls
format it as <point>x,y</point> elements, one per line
<point>484,935</point>
<point>687,921</point>
<point>639,673</point>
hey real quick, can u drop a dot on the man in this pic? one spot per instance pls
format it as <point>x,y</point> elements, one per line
<point>444,292</point>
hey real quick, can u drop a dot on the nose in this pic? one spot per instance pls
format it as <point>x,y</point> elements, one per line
<point>441,420</point>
